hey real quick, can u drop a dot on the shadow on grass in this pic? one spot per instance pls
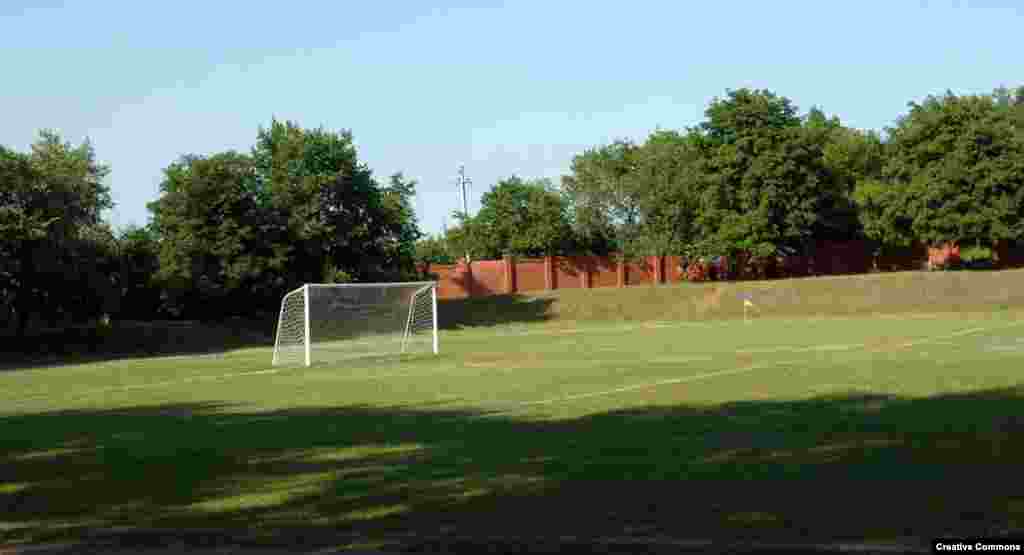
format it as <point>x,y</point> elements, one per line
<point>126,339</point>
<point>848,468</point>
<point>493,310</point>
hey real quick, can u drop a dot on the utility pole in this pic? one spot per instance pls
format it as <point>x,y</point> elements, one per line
<point>463,182</point>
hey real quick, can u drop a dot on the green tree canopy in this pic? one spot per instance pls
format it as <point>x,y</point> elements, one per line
<point>516,217</point>
<point>605,196</point>
<point>522,217</point>
<point>434,250</point>
<point>334,214</point>
<point>54,247</point>
<point>954,173</point>
<point>666,189</point>
<point>765,183</point>
<point>209,224</point>
<point>299,208</point>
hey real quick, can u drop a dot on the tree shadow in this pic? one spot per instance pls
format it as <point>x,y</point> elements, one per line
<point>494,310</point>
<point>127,339</point>
<point>856,467</point>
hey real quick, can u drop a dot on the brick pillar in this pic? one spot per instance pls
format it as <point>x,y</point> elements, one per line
<point>510,274</point>
<point>583,265</point>
<point>467,276</point>
<point>549,273</point>
<point>622,272</point>
<point>659,274</point>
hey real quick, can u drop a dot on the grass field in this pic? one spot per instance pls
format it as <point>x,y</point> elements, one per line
<point>873,428</point>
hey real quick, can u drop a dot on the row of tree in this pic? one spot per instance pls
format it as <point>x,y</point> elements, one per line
<point>758,179</point>
<point>231,232</point>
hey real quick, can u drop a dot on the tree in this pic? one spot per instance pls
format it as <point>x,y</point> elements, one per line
<point>52,240</point>
<point>765,186</point>
<point>433,250</point>
<point>328,214</point>
<point>399,228</point>
<point>238,230</point>
<point>667,181</point>
<point>138,261</point>
<point>520,217</point>
<point>750,120</point>
<point>316,199</point>
<point>468,238</point>
<point>954,174</point>
<point>212,250</point>
<point>853,158</point>
<point>604,195</point>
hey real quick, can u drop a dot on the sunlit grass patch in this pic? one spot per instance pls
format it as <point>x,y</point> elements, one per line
<point>336,454</point>
<point>260,494</point>
<point>361,452</point>
<point>375,512</point>
<point>48,454</point>
<point>13,487</point>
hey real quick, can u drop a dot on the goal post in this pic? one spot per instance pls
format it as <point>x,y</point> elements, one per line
<point>328,322</point>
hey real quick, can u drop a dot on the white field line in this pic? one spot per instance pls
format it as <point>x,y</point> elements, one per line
<point>462,371</point>
<point>664,324</point>
<point>610,328</point>
<point>935,339</point>
<point>517,407</point>
<point>729,372</point>
<point>648,385</point>
<point>960,333</point>
<point>218,377</point>
<point>836,347</point>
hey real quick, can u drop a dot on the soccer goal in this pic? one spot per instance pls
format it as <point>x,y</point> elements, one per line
<point>330,322</point>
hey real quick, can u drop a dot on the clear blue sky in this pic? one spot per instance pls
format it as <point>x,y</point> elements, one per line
<point>505,89</point>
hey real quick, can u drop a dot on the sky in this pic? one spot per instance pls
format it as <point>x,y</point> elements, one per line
<point>514,88</point>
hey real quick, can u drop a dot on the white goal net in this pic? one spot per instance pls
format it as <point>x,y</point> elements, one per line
<point>329,322</point>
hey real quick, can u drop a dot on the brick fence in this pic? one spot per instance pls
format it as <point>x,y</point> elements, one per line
<point>520,275</point>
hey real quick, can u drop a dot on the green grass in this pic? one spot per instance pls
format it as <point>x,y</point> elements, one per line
<point>850,427</point>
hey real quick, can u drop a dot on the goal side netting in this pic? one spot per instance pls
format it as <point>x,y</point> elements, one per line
<point>331,322</point>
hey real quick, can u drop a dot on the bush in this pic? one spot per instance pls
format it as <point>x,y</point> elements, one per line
<point>977,258</point>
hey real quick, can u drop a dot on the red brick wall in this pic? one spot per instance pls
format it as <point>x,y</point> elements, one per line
<point>491,277</point>
<point>639,273</point>
<point>568,271</point>
<point>530,274</point>
<point>605,272</point>
<point>673,269</point>
<point>488,277</point>
<point>452,280</point>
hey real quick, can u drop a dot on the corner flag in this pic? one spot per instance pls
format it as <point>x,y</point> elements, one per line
<point>747,303</point>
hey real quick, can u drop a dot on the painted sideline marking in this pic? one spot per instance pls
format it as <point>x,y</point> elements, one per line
<point>734,371</point>
<point>834,347</point>
<point>693,378</point>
